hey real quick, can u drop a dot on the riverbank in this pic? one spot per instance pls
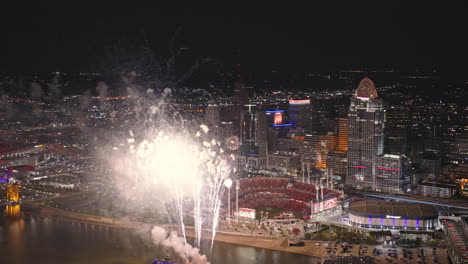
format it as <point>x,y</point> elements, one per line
<point>315,249</point>
<point>265,242</point>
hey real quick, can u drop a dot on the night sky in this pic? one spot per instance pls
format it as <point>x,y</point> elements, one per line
<point>323,35</point>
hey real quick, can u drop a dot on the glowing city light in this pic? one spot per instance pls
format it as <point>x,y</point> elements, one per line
<point>299,102</point>
<point>387,169</point>
<point>278,118</point>
<point>282,125</point>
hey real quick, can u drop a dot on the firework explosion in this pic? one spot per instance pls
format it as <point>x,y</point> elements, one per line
<point>185,167</point>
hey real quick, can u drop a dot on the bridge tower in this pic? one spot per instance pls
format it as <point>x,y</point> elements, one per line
<point>13,192</point>
<point>13,210</point>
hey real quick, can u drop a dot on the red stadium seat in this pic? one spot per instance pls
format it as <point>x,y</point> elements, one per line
<point>274,192</point>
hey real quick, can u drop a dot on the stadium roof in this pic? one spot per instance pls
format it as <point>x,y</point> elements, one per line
<point>398,209</point>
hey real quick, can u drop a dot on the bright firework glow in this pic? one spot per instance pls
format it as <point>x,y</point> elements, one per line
<point>228,183</point>
<point>170,161</point>
<point>189,173</point>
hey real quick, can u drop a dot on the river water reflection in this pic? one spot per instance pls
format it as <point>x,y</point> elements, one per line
<point>31,239</point>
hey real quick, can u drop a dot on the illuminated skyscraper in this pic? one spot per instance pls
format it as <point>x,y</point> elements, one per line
<point>262,133</point>
<point>337,160</point>
<point>365,135</point>
<point>342,135</point>
<point>248,131</point>
<point>300,114</point>
<point>212,117</point>
<point>254,137</point>
<point>392,173</point>
<point>241,98</point>
<point>326,143</point>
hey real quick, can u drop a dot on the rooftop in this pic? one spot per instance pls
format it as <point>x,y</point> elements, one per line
<point>398,209</point>
<point>366,88</point>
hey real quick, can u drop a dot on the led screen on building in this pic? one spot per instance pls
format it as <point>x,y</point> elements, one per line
<point>326,205</point>
<point>247,213</point>
<point>278,118</point>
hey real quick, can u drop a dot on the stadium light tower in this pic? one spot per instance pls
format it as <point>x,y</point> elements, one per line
<point>237,200</point>
<point>311,208</point>
<point>303,171</point>
<point>326,177</point>
<point>228,184</point>
<point>321,193</point>
<point>317,188</point>
<point>316,198</point>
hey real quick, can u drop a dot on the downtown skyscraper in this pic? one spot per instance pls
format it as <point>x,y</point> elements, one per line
<point>365,136</point>
<point>212,117</point>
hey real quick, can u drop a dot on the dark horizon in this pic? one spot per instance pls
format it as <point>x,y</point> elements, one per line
<point>290,38</point>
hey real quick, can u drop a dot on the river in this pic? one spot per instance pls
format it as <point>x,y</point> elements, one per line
<point>31,239</point>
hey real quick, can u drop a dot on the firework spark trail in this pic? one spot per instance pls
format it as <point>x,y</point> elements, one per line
<point>198,221</point>
<point>221,173</point>
<point>215,221</point>
<point>187,169</point>
<point>180,212</point>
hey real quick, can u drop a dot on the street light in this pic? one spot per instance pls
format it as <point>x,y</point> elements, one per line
<point>228,184</point>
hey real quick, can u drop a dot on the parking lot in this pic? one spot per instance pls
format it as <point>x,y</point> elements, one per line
<point>425,255</point>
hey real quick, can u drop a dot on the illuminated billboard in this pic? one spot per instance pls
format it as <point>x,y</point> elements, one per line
<point>316,207</point>
<point>299,102</point>
<point>278,118</point>
<point>325,205</point>
<point>330,203</point>
<point>247,213</point>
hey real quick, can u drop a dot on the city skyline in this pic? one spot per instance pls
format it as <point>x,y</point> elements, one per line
<point>233,133</point>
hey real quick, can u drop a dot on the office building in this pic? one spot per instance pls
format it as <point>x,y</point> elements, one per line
<point>300,114</point>
<point>212,117</point>
<point>342,135</point>
<point>365,135</point>
<point>392,173</point>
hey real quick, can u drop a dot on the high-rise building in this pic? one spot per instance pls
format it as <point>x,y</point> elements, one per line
<point>241,98</point>
<point>253,127</point>
<point>326,143</point>
<point>337,161</point>
<point>254,139</point>
<point>365,135</point>
<point>272,138</point>
<point>254,132</point>
<point>300,114</point>
<point>261,133</point>
<point>286,161</point>
<point>212,117</point>
<point>392,173</point>
<point>342,135</point>
<point>227,129</point>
